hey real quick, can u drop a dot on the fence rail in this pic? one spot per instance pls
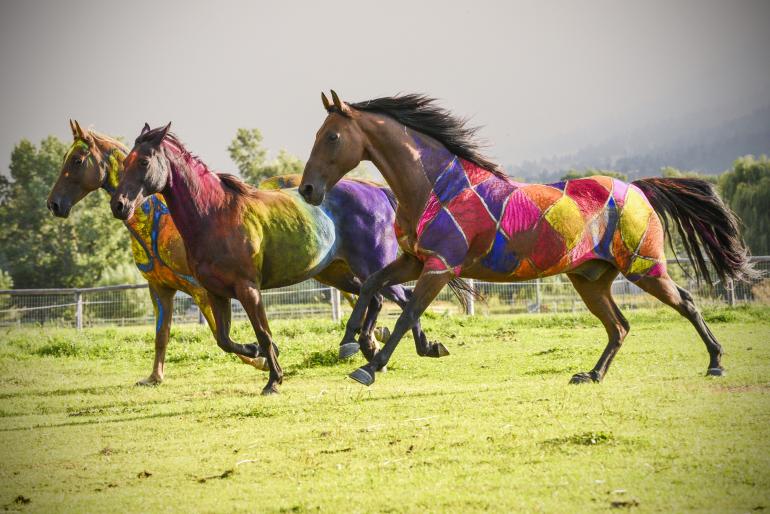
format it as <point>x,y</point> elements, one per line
<point>131,305</point>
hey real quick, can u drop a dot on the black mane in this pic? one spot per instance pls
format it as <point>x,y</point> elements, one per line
<point>232,182</point>
<point>422,113</point>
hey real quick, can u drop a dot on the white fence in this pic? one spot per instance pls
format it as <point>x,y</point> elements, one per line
<point>130,304</point>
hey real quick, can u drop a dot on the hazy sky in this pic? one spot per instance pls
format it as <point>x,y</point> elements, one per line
<point>542,77</point>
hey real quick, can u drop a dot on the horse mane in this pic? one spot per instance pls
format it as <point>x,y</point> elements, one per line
<point>235,184</point>
<point>106,140</point>
<point>423,114</point>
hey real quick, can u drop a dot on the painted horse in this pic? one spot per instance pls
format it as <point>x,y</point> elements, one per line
<point>95,161</point>
<point>240,240</point>
<point>460,216</point>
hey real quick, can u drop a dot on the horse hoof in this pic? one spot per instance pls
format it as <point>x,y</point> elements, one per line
<point>362,377</point>
<point>347,350</point>
<point>441,350</point>
<point>382,334</point>
<point>715,372</point>
<point>269,390</point>
<point>149,382</point>
<point>260,363</point>
<point>582,378</point>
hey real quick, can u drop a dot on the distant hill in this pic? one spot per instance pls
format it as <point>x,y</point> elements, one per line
<point>686,144</point>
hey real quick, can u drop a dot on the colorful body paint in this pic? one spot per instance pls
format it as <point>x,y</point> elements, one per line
<point>504,230</point>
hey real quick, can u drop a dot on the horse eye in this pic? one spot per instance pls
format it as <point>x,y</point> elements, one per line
<point>78,160</point>
<point>334,136</point>
<point>144,161</point>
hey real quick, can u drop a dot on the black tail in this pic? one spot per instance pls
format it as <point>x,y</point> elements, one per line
<point>708,228</point>
<point>463,291</point>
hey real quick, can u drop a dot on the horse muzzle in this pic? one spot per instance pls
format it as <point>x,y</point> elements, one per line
<point>121,206</point>
<point>59,207</point>
<point>313,195</point>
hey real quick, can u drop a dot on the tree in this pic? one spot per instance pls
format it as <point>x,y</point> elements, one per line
<point>250,157</point>
<point>39,250</point>
<point>746,188</point>
<point>590,172</point>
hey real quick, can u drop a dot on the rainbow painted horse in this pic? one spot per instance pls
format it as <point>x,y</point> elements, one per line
<point>95,161</point>
<point>460,216</point>
<point>240,240</point>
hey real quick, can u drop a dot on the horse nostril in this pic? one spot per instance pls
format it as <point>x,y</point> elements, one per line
<point>306,191</point>
<point>53,206</point>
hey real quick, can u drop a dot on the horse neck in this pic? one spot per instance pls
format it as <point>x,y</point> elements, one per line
<point>391,148</point>
<point>192,193</point>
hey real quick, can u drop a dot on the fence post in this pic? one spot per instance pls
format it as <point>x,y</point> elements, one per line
<point>537,294</point>
<point>79,310</point>
<point>201,319</point>
<point>470,301</point>
<point>335,299</point>
<point>730,292</point>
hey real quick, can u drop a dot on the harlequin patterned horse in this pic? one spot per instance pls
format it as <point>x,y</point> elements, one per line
<point>95,161</point>
<point>240,240</point>
<point>459,215</point>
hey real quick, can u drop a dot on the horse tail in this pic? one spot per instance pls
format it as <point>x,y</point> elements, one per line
<point>709,230</point>
<point>463,291</point>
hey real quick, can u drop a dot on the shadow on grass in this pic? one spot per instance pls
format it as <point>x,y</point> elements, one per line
<point>99,421</point>
<point>66,392</point>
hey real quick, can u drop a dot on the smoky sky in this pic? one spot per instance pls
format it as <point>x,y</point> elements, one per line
<point>541,77</point>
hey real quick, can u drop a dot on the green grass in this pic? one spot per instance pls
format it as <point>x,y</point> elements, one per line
<point>494,426</point>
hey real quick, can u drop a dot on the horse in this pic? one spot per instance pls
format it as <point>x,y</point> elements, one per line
<point>459,215</point>
<point>95,161</point>
<point>241,240</point>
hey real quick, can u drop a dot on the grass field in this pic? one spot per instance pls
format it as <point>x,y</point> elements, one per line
<point>494,426</point>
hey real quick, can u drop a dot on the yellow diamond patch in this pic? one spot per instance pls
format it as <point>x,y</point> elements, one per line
<point>640,266</point>
<point>565,217</point>
<point>634,218</point>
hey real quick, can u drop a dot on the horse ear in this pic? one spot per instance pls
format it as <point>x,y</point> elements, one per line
<point>145,129</point>
<point>339,104</point>
<point>78,132</point>
<point>325,100</point>
<point>157,139</point>
<point>74,131</point>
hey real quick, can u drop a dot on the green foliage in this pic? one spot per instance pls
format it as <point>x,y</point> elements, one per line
<point>746,188</point>
<point>671,172</point>
<point>590,172</point>
<point>250,157</point>
<point>6,281</point>
<point>39,250</point>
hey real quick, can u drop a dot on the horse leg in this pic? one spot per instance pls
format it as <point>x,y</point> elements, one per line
<point>342,278</point>
<point>666,290</point>
<point>400,295</point>
<point>163,304</point>
<point>597,295</point>
<point>220,305</point>
<point>251,299</point>
<point>406,267</point>
<point>201,300</point>
<point>428,286</point>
